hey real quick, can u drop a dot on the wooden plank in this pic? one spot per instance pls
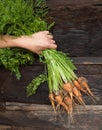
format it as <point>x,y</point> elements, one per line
<point>78,42</point>
<point>78,28</point>
<point>40,109</point>
<point>8,127</point>
<point>5,127</point>
<point>14,90</point>
<point>41,97</point>
<point>88,69</point>
<point>87,60</point>
<point>43,117</point>
<point>78,3</point>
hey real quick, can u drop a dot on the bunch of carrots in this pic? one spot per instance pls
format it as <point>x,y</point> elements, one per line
<point>65,88</point>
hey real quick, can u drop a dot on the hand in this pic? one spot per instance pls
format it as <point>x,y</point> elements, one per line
<point>36,42</point>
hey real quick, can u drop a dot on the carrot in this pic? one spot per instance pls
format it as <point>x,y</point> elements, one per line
<point>52,100</point>
<point>85,85</point>
<point>68,88</point>
<point>82,78</point>
<point>59,100</point>
<point>78,95</point>
<point>68,102</point>
<point>78,85</point>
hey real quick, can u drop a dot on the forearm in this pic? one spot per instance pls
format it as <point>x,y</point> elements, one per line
<point>7,41</point>
<point>36,42</point>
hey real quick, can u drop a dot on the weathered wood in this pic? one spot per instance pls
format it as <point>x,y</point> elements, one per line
<point>5,127</point>
<point>78,26</point>
<point>19,87</point>
<point>8,127</point>
<point>87,60</point>
<point>78,3</point>
<point>43,117</point>
<point>46,109</point>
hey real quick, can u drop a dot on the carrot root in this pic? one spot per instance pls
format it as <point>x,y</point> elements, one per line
<point>59,100</point>
<point>78,95</point>
<point>52,100</point>
<point>85,86</point>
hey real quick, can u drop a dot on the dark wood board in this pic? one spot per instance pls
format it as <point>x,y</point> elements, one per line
<point>41,117</point>
<point>78,3</point>
<point>78,26</point>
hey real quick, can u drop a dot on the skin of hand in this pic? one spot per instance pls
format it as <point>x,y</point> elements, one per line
<point>37,42</point>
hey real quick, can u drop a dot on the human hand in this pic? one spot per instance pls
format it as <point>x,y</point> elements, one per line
<point>37,42</point>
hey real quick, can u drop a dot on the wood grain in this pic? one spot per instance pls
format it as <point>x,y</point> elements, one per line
<point>78,3</point>
<point>19,116</point>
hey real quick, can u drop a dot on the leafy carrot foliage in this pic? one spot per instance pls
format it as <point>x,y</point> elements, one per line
<point>17,18</point>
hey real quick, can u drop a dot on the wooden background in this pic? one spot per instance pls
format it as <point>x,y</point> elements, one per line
<point>78,32</point>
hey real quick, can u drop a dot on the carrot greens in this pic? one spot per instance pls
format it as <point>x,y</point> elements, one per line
<point>17,18</point>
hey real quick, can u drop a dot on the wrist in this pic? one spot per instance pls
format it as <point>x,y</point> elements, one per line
<point>17,42</point>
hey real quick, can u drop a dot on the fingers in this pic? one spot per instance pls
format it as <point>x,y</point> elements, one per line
<point>50,36</point>
<point>52,41</point>
<point>41,33</point>
<point>52,45</point>
<point>45,41</point>
<point>46,32</point>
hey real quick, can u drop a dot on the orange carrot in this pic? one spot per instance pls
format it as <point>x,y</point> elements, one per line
<point>68,102</point>
<point>82,78</point>
<point>78,95</point>
<point>85,86</point>
<point>52,100</point>
<point>59,100</point>
<point>68,88</point>
<point>78,85</point>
